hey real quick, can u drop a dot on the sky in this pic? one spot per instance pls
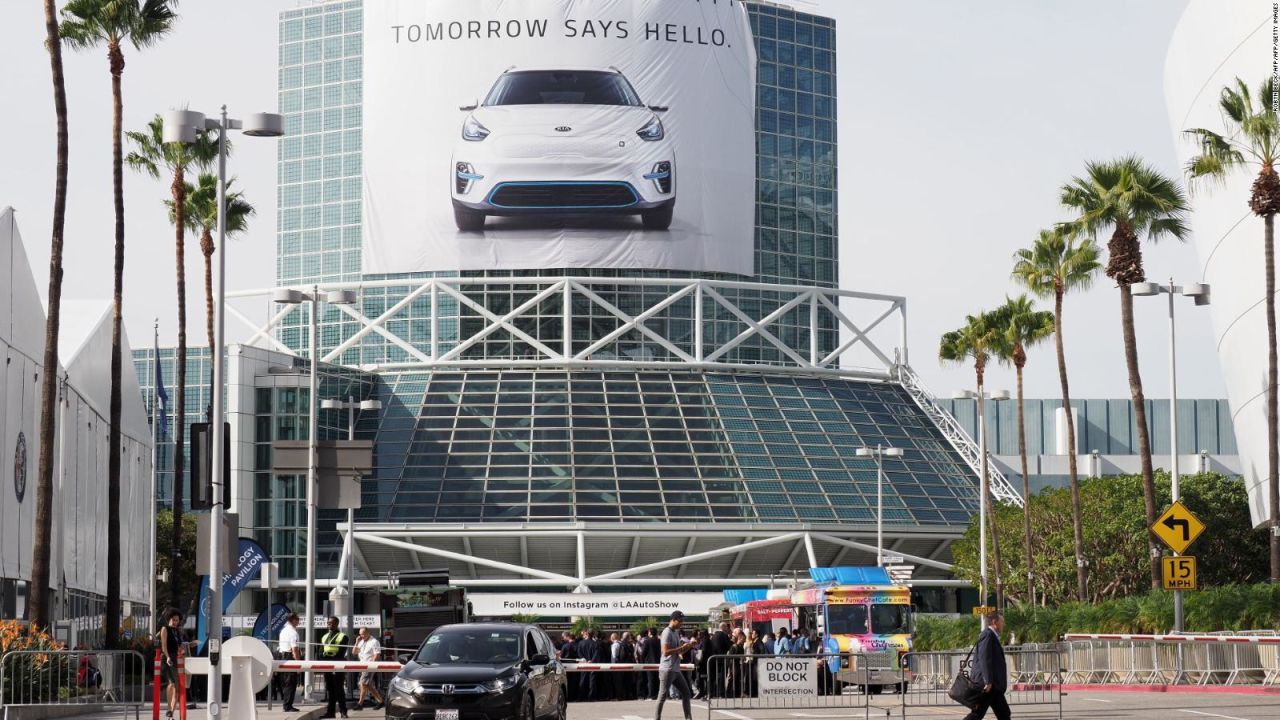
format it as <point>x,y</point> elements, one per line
<point>958,122</point>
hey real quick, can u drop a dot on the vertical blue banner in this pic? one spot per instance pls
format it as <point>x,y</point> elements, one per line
<point>249,561</point>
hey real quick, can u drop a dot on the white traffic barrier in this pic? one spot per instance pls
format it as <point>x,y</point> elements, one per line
<point>1258,639</point>
<point>339,666</point>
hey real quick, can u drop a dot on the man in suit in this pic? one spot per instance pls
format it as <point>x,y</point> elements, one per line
<point>718,644</point>
<point>990,671</point>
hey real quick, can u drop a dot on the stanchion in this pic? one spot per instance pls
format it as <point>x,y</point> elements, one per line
<point>182,686</point>
<point>155,692</point>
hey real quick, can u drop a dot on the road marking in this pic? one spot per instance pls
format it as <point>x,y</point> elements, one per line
<point>1096,700</point>
<point>734,715</point>
<point>1207,714</point>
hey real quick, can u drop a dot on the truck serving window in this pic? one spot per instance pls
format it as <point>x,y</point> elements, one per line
<point>890,619</point>
<point>846,620</point>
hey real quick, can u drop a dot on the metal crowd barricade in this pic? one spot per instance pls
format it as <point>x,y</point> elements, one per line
<point>1035,677</point>
<point>106,679</point>
<point>1240,658</point>
<point>786,682</point>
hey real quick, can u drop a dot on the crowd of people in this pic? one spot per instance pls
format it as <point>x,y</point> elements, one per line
<point>732,674</point>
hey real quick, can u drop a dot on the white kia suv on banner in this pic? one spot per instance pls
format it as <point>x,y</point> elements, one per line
<point>566,143</point>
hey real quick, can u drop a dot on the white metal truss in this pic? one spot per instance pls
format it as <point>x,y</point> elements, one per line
<point>508,565</point>
<point>1001,488</point>
<point>874,343</point>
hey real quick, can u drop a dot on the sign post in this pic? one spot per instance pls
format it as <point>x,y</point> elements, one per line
<point>1177,528</point>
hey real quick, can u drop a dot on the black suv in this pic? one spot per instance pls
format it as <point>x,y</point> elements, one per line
<point>485,671</point>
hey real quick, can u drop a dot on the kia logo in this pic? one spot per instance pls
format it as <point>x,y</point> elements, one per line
<point>447,688</point>
<point>563,128</point>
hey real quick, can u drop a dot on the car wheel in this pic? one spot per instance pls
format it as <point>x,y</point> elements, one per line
<point>658,218</point>
<point>526,708</point>
<point>562,705</point>
<point>468,220</point>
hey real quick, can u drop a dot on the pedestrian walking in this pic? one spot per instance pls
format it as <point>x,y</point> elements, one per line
<point>167,639</point>
<point>332,647</point>
<point>368,650</point>
<point>990,671</point>
<point>669,674</point>
<point>289,649</point>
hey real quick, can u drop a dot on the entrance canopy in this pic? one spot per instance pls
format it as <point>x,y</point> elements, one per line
<point>600,557</point>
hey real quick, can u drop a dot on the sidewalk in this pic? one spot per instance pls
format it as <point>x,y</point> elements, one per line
<point>311,712</point>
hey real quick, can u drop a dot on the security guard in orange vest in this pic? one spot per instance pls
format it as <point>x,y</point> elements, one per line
<point>334,647</point>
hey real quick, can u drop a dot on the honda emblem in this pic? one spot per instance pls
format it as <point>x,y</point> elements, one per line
<point>448,688</point>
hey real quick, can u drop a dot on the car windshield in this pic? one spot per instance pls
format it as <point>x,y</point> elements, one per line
<point>846,619</point>
<point>890,619</point>
<point>562,87</point>
<point>466,645</point>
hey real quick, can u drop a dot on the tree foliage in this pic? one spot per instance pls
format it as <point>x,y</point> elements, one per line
<point>1115,532</point>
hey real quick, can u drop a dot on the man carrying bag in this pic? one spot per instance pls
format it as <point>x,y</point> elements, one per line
<point>988,676</point>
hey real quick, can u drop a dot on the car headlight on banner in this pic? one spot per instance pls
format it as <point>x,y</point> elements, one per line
<point>652,130</point>
<point>472,130</point>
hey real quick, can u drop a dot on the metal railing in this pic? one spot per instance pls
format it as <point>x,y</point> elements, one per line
<point>1035,677</point>
<point>109,679</point>
<point>1001,488</point>
<point>1174,660</point>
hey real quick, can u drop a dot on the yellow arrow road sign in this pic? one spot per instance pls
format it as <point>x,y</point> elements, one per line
<point>1178,527</point>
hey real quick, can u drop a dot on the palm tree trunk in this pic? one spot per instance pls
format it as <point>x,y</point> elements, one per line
<point>1026,491</point>
<point>42,547</point>
<point>179,190</point>
<point>1077,525</point>
<point>992,531</point>
<point>112,624</point>
<point>206,249</point>
<point>1144,436</point>
<point>1273,452</point>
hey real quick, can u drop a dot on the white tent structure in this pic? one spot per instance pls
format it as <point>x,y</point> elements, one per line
<point>80,454</point>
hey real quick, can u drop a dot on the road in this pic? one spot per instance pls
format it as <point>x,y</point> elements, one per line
<point>1077,706</point>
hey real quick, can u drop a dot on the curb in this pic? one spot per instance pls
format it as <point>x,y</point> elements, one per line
<point>1196,689</point>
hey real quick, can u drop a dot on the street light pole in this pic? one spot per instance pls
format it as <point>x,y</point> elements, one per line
<point>879,452</point>
<point>1200,293</point>
<point>313,407</point>
<point>182,126</point>
<point>984,483</point>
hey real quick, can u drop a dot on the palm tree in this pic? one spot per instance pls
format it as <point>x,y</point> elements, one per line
<point>152,156</point>
<point>201,215</point>
<point>1252,138</point>
<point>41,548</point>
<point>87,24</point>
<point>975,341</point>
<point>1131,199</point>
<point>1055,265</point>
<point>1022,326</point>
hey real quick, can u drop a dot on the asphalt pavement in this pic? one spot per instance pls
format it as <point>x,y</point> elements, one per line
<point>1076,706</point>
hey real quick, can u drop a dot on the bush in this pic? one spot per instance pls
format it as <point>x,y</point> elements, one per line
<point>1230,607</point>
<point>42,674</point>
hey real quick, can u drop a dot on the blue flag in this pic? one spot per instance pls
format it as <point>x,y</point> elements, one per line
<point>247,566</point>
<point>275,616</point>
<point>161,407</point>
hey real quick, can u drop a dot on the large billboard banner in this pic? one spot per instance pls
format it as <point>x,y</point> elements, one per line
<point>523,134</point>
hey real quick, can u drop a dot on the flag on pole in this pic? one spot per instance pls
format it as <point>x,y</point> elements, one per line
<point>161,407</point>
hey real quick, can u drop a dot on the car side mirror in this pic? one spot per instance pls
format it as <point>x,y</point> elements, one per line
<point>404,658</point>
<point>659,108</point>
<point>539,659</point>
<point>469,106</point>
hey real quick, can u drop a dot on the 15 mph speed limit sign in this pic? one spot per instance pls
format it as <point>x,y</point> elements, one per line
<point>1179,573</point>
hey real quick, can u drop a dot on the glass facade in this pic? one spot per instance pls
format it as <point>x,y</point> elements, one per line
<point>198,400</point>
<point>319,223</point>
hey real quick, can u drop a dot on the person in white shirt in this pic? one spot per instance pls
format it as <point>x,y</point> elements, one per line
<point>368,649</point>
<point>290,649</point>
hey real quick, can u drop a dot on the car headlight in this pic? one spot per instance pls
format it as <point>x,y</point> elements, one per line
<point>472,130</point>
<point>652,130</point>
<point>404,685</point>
<point>497,685</point>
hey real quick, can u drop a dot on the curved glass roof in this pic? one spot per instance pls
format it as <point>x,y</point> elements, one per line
<point>670,446</point>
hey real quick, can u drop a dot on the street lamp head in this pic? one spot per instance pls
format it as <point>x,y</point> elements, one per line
<point>263,125</point>
<point>1000,395</point>
<point>340,297</point>
<point>865,452</point>
<point>892,452</point>
<point>331,405</point>
<point>370,404</point>
<point>182,126</point>
<point>285,296</point>
<point>1198,291</point>
<point>963,395</point>
<point>1145,289</point>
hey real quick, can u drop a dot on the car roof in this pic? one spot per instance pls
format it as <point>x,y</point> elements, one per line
<point>564,68</point>
<point>489,626</point>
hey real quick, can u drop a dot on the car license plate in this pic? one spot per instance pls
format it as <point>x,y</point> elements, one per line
<point>446,715</point>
